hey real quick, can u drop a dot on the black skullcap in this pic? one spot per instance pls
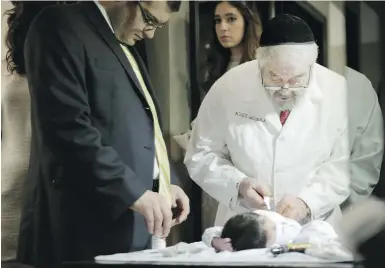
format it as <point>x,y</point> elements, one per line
<point>286,28</point>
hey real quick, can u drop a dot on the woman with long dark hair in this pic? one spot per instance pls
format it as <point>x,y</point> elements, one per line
<point>236,33</point>
<point>235,40</point>
<point>15,123</point>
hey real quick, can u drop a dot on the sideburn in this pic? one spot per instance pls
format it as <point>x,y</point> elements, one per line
<point>122,15</point>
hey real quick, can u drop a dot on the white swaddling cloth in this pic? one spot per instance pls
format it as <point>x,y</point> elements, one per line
<point>325,243</point>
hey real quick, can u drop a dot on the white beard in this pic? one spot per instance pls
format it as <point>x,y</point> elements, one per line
<point>286,99</point>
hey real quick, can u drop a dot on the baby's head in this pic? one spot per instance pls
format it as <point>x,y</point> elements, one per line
<point>259,229</point>
<point>247,231</point>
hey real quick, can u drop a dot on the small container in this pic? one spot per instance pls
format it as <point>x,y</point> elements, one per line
<point>158,243</point>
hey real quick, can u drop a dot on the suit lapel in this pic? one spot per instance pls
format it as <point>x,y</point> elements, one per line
<point>146,78</point>
<point>96,18</point>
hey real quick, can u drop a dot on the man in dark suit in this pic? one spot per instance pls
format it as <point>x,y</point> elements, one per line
<point>97,149</point>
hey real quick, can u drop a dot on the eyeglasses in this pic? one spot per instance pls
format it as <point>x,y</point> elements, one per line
<point>150,20</point>
<point>293,84</point>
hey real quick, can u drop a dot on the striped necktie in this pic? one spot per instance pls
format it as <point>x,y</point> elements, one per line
<point>160,146</point>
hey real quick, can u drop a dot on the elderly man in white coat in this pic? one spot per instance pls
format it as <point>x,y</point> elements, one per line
<point>276,126</point>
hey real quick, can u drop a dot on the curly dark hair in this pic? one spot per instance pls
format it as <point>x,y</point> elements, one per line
<point>219,57</point>
<point>19,20</point>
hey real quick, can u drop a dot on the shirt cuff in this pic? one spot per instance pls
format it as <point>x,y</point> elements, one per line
<point>234,193</point>
<point>309,202</point>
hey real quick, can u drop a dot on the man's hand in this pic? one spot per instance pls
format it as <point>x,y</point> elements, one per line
<point>157,212</point>
<point>181,201</point>
<point>293,208</point>
<point>252,191</point>
<point>222,244</point>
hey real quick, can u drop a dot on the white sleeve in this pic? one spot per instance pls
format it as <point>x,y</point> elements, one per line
<point>330,185</point>
<point>367,151</point>
<point>207,158</point>
<point>210,234</point>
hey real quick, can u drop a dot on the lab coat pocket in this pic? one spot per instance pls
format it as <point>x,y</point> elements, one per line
<point>247,142</point>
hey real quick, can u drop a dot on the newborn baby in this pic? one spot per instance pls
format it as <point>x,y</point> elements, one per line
<point>261,229</point>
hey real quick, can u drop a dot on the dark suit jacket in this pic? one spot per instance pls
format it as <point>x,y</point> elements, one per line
<point>92,151</point>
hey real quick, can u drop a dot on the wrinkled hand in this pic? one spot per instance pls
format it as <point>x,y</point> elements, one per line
<point>181,201</point>
<point>222,244</point>
<point>156,211</point>
<point>252,191</point>
<point>293,208</point>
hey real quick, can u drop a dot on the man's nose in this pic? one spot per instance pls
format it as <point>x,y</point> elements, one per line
<point>285,91</point>
<point>149,34</point>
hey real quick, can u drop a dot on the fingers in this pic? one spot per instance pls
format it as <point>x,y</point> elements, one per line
<point>253,199</point>
<point>150,220</point>
<point>184,204</point>
<point>167,217</point>
<point>158,217</point>
<point>282,205</point>
<point>222,244</point>
<point>286,211</point>
<point>229,247</point>
<point>174,204</point>
<point>290,213</point>
<point>287,208</point>
<point>261,188</point>
<point>227,240</point>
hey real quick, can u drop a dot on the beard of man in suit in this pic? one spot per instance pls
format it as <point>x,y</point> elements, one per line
<point>133,21</point>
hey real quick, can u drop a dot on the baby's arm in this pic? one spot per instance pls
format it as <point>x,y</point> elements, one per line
<point>210,234</point>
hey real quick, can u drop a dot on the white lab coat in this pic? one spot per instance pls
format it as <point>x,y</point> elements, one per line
<point>238,134</point>
<point>366,136</point>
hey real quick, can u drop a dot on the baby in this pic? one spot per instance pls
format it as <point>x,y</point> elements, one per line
<point>262,229</point>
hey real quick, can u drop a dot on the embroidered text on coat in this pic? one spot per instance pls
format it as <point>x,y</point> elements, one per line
<point>251,117</point>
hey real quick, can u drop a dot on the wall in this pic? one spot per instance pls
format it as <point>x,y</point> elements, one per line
<point>167,56</point>
<point>334,14</point>
<point>370,45</point>
<point>168,66</point>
